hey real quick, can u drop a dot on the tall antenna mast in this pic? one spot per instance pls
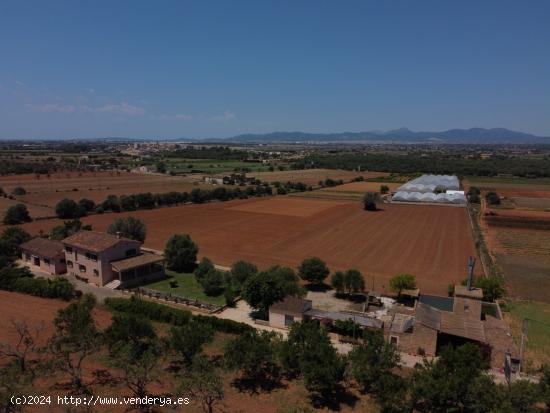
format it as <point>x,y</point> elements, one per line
<point>471,265</point>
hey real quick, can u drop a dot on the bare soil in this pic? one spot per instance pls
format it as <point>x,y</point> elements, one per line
<point>48,191</point>
<point>431,242</point>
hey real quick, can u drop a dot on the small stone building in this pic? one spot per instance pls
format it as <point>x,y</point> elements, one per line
<point>284,313</point>
<point>45,255</point>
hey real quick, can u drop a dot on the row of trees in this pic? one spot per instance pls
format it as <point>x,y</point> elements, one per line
<point>435,163</point>
<point>284,188</point>
<point>69,209</point>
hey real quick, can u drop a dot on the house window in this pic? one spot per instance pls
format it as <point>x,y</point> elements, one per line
<point>96,273</point>
<point>47,261</point>
<point>69,250</point>
<point>394,340</point>
<point>82,268</point>
<point>289,320</point>
<point>131,252</point>
<point>70,264</point>
<point>90,256</point>
<point>28,257</point>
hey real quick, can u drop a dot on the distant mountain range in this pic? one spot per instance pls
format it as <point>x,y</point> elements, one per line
<point>403,135</point>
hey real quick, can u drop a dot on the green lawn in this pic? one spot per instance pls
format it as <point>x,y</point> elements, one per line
<point>538,328</point>
<point>187,287</point>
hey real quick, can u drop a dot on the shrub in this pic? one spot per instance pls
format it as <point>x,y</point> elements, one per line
<point>174,316</point>
<point>17,214</point>
<point>402,282</point>
<point>204,267</point>
<point>181,253</point>
<point>313,270</point>
<point>19,190</point>
<point>492,198</point>
<point>148,309</point>
<point>23,281</point>
<point>69,209</point>
<point>371,200</point>
<point>129,227</point>
<point>212,283</point>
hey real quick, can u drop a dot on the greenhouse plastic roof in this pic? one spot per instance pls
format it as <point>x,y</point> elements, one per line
<point>428,183</point>
<point>404,196</point>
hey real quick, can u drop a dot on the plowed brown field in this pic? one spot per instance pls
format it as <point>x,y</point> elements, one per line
<point>35,211</point>
<point>432,242</point>
<point>312,176</point>
<point>93,185</point>
<point>36,312</point>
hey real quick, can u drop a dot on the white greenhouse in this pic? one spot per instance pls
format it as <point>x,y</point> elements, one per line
<point>422,189</point>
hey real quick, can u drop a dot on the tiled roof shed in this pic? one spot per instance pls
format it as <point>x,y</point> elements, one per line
<point>449,323</point>
<point>43,247</point>
<point>292,306</point>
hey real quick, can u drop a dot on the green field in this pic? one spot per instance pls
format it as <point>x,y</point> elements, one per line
<point>538,328</point>
<point>188,287</point>
<point>211,166</point>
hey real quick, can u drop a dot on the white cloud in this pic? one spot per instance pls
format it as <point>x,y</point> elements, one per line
<point>122,109</point>
<point>222,118</point>
<point>51,108</point>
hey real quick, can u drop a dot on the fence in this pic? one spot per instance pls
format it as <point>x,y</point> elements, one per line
<point>174,298</point>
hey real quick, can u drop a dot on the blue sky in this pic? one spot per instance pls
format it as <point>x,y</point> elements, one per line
<point>214,69</point>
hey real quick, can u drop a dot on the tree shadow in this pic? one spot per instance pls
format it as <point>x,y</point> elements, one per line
<point>354,298</point>
<point>321,288</point>
<point>255,386</point>
<point>334,400</point>
<point>258,315</point>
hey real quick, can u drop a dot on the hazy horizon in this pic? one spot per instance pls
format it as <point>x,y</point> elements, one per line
<point>213,70</point>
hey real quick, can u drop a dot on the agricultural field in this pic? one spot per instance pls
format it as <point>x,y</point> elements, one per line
<point>517,193</point>
<point>518,236</point>
<point>15,306</point>
<point>531,203</point>
<point>432,242</point>
<point>48,191</point>
<point>510,183</point>
<point>523,255</point>
<point>35,211</point>
<point>352,190</point>
<point>538,328</point>
<point>312,176</point>
<point>211,166</point>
